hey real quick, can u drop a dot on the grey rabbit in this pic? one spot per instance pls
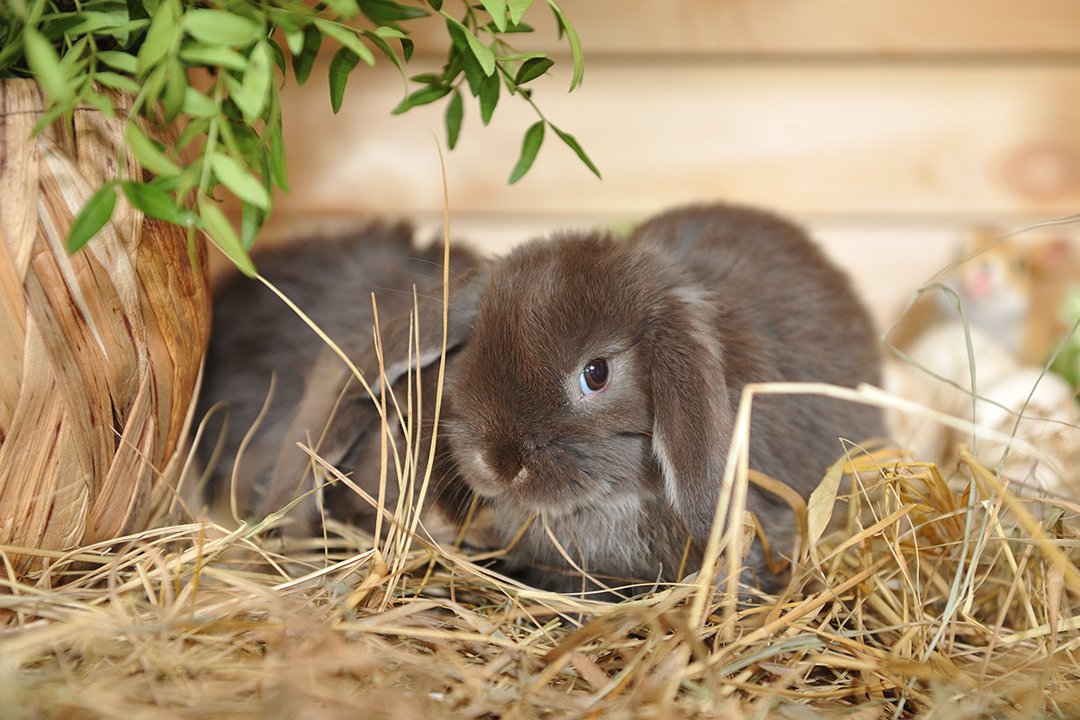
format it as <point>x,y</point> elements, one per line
<point>256,336</point>
<point>591,390</point>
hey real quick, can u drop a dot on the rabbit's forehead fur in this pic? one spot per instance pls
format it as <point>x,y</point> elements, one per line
<point>554,305</point>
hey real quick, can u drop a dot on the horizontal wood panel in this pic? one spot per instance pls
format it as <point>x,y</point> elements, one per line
<point>816,141</point>
<point>888,259</point>
<point>751,27</point>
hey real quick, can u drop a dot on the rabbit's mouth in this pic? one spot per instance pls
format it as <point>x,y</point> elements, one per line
<point>529,485</point>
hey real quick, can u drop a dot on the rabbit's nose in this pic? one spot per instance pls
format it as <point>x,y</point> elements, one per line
<point>506,460</point>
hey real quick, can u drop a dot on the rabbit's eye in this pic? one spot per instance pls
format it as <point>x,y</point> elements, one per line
<point>594,376</point>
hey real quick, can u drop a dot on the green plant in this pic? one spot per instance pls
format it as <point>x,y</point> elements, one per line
<point>229,124</point>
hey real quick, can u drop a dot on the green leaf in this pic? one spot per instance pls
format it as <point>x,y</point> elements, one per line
<point>198,105</point>
<point>198,126</point>
<point>530,145</point>
<point>462,59</point>
<point>147,152</point>
<point>384,48</point>
<point>277,55</point>
<point>45,64</point>
<point>285,16</point>
<point>303,62</point>
<point>489,97</point>
<point>117,81</point>
<point>574,145</point>
<point>223,235</point>
<point>520,28</point>
<point>423,96</point>
<point>255,90</point>
<point>575,44</point>
<point>517,10</point>
<point>20,8</point>
<point>532,69</point>
<point>123,32</point>
<point>91,22</point>
<point>497,10</point>
<point>160,38</point>
<point>522,56</point>
<point>217,27</point>
<point>153,84</point>
<point>479,50</point>
<point>236,177</point>
<point>455,111</point>
<point>122,61</point>
<point>98,101</point>
<point>348,38</point>
<point>295,40</point>
<point>73,64</point>
<point>137,9</point>
<point>55,25</point>
<point>241,140</point>
<point>251,220</point>
<point>341,65</point>
<point>276,157</point>
<point>213,56</point>
<point>385,31</point>
<point>176,85</point>
<point>345,8</point>
<point>155,202</point>
<point>92,217</point>
<point>49,117</point>
<point>407,48</point>
<point>33,17</point>
<point>385,12</point>
<point>185,183</point>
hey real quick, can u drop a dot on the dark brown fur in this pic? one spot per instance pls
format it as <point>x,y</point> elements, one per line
<point>256,336</point>
<point>698,303</point>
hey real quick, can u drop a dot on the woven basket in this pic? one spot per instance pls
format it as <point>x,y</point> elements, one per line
<point>100,352</point>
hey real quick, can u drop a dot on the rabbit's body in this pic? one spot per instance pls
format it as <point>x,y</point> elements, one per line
<point>694,306</point>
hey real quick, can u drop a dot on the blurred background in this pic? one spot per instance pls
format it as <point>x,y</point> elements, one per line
<point>891,128</point>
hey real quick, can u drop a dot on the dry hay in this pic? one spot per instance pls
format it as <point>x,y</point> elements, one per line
<point>924,598</point>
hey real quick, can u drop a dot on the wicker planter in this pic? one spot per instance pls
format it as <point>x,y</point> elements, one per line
<point>100,352</point>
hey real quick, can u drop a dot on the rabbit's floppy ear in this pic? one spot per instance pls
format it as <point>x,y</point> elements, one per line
<point>400,349</point>
<point>692,409</point>
<point>335,410</point>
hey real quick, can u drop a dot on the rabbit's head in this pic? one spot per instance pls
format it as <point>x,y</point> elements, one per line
<point>587,373</point>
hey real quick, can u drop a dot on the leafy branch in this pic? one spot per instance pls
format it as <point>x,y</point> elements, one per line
<point>484,68</point>
<point>83,52</point>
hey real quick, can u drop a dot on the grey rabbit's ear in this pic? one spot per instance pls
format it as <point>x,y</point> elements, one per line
<point>337,413</point>
<point>692,410</point>
<point>400,349</point>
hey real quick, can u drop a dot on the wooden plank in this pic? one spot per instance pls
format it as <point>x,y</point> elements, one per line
<point>954,141</point>
<point>897,28</point>
<point>888,258</point>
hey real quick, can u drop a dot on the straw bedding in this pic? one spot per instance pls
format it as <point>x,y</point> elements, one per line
<point>933,592</point>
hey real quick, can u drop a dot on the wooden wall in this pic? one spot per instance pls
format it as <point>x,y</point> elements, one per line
<point>888,126</point>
